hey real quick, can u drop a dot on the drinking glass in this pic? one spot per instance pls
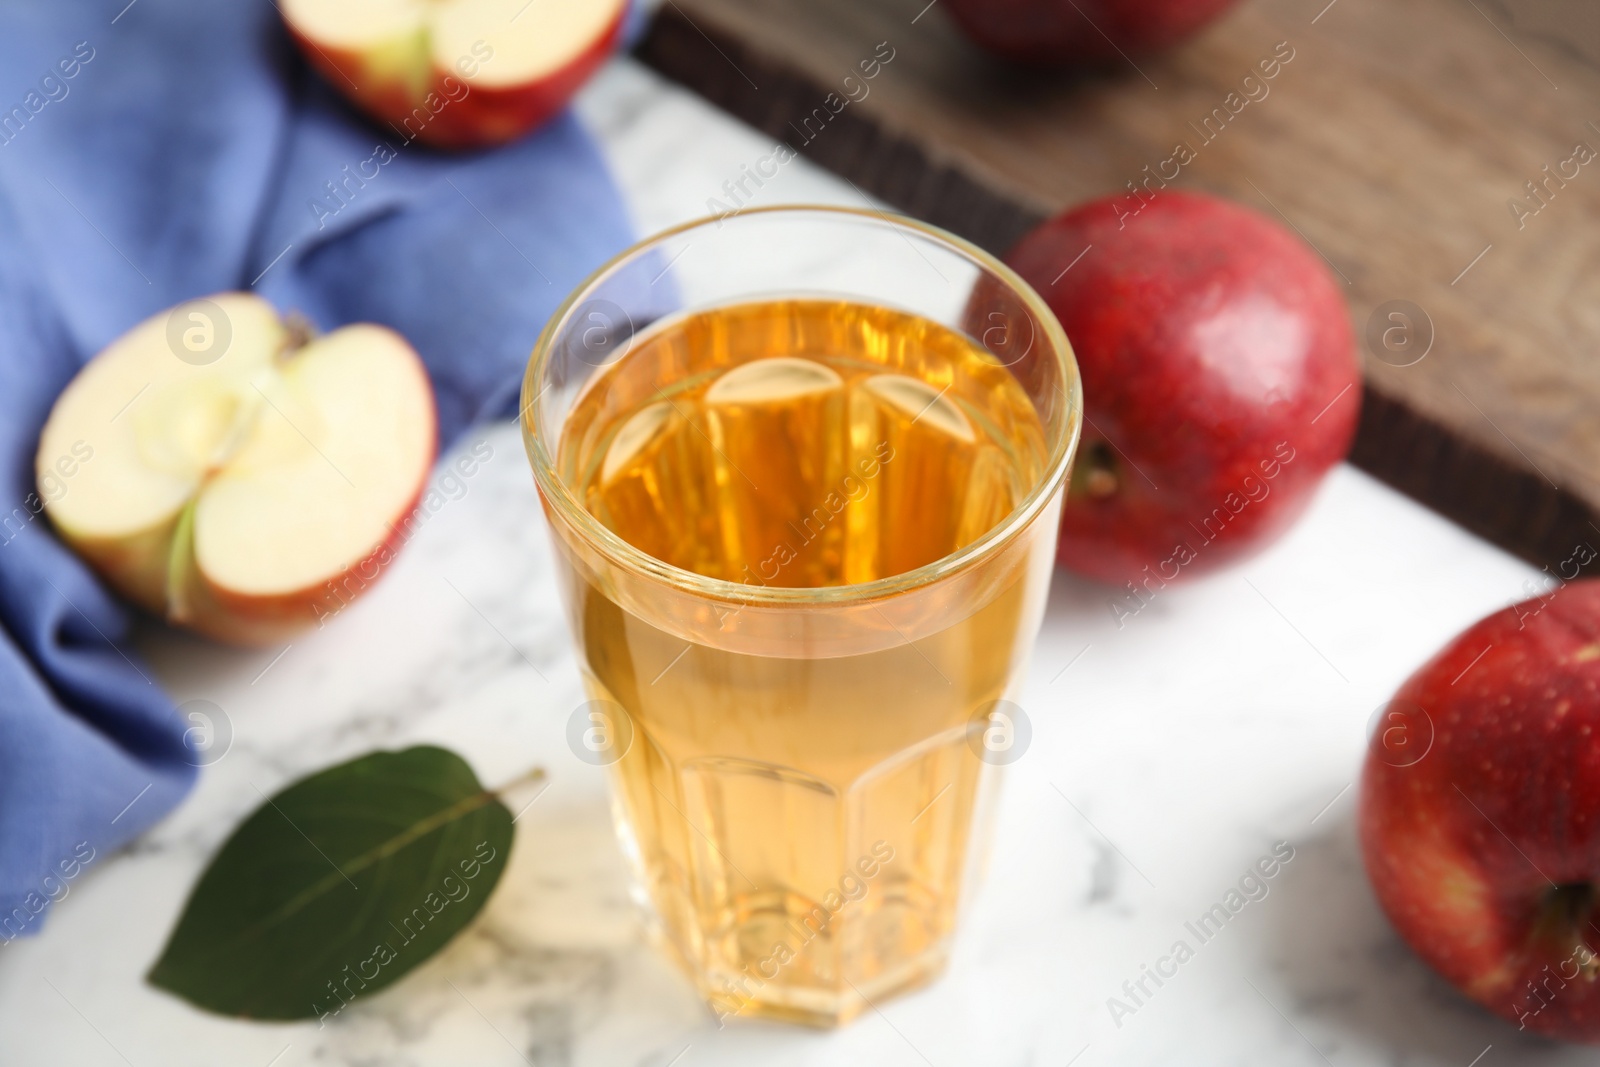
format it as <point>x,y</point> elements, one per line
<point>800,774</point>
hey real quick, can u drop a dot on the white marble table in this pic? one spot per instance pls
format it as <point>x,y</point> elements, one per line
<point>1168,755</point>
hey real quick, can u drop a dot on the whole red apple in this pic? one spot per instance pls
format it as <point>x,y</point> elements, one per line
<point>1055,31</point>
<point>1219,373</point>
<point>1480,812</point>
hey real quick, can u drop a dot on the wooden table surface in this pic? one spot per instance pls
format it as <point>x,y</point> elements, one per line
<point>1395,141</point>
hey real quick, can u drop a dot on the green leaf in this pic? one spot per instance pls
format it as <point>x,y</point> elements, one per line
<point>338,886</point>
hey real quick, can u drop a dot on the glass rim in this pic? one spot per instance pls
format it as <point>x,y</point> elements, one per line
<point>619,552</point>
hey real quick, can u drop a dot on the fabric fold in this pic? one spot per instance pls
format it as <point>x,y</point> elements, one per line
<point>159,151</point>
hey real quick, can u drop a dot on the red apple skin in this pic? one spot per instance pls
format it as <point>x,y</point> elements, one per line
<point>247,621</point>
<point>1220,380</point>
<point>137,568</point>
<point>485,117</point>
<point>1462,845</point>
<point>1064,31</point>
<point>230,618</point>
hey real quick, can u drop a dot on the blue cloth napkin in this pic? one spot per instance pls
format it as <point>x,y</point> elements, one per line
<point>187,152</point>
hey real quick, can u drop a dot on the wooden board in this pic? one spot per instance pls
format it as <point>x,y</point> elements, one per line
<point>1394,141</point>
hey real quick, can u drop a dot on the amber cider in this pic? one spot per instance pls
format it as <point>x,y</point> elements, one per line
<point>797,780</point>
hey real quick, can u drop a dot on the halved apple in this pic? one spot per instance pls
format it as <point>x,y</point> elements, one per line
<point>457,73</point>
<point>234,476</point>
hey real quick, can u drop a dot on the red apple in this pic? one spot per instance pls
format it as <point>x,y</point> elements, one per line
<point>1056,31</point>
<point>1220,379</point>
<point>227,473</point>
<point>457,73</point>
<point>1480,812</point>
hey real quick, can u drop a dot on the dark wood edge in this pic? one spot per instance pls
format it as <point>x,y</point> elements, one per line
<point>1503,501</point>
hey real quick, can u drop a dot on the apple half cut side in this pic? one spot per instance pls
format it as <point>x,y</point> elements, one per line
<point>457,73</point>
<point>247,496</point>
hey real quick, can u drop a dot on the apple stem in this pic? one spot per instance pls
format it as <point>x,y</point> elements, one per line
<point>1095,474</point>
<point>299,333</point>
<point>1567,910</point>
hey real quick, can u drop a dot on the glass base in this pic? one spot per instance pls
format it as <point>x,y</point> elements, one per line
<point>823,1007</point>
<point>884,926</point>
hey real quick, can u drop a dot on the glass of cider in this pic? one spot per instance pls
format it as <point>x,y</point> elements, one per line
<point>804,468</point>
